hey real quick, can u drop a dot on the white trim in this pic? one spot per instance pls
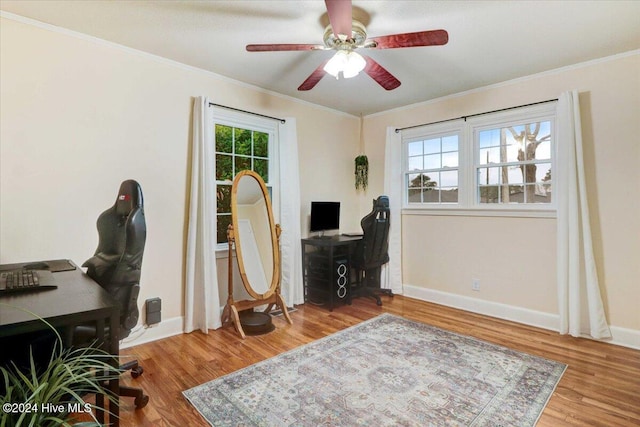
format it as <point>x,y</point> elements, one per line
<point>621,336</point>
<point>624,337</point>
<point>166,328</point>
<point>479,211</point>
<point>160,59</point>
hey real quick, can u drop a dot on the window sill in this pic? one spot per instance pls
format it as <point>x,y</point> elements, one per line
<point>223,253</point>
<point>484,212</point>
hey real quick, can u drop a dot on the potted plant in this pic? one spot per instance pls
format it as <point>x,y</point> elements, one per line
<point>362,172</point>
<point>51,394</point>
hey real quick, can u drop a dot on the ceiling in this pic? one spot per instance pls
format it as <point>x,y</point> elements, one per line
<point>489,41</point>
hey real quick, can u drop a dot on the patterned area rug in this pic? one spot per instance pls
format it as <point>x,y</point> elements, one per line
<point>386,371</point>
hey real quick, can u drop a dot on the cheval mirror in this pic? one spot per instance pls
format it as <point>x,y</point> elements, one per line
<point>256,239</point>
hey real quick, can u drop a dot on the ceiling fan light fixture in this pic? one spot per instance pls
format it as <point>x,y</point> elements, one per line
<point>348,63</point>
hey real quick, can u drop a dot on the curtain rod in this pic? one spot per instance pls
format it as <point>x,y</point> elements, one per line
<point>211,104</point>
<point>477,114</point>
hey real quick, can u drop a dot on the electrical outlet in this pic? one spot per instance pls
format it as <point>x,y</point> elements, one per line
<point>153,311</point>
<point>475,285</point>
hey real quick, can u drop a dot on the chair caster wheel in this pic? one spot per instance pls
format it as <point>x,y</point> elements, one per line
<point>141,402</point>
<point>136,372</point>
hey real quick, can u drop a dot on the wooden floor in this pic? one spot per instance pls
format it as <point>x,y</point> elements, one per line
<point>601,386</point>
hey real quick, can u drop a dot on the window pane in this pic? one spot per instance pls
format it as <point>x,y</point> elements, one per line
<point>489,176</point>
<point>489,194</point>
<point>543,152</point>
<point>243,141</point>
<point>261,166</point>
<point>261,144</point>
<point>428,182</point>
<point>449,179</point>
<point>224,141</point>
<point>415,180</point>
<point>449,195</point>
<point>514,174</point>
<point>488,138</point>
<point>430,195</point>
<point>414,148</point>
<point>415,163</point>
<point>432,146</point>
<point>432,161</point>
<point>243,163</point>
<point>223,225</point>
<point>450,160</point>
<point>543,173</point>
<point>537,193</point>
<point>224,167</point>
<point>450,143</point>
<point>489,155</point>
<point>414,196</point>
<point>223,193</point>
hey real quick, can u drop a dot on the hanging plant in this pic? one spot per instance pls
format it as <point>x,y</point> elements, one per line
<point>362,172</point>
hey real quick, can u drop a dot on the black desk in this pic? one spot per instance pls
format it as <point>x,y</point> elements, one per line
<point>77,300</point>
<point>326,269</point>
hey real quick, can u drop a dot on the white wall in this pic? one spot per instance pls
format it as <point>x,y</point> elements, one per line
<point>514,258</point>
<point>80,115</point>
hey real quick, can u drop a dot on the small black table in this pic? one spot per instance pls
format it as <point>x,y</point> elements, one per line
<point>77,300</point>
<point>326,269</point>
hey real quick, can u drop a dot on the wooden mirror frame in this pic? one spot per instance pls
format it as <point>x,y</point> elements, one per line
<point>272,296</point>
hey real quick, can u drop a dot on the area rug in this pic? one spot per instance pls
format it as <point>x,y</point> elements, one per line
<point>387,371</point>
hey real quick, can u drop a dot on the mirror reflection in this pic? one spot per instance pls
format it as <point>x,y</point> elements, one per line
<point>254,234</point>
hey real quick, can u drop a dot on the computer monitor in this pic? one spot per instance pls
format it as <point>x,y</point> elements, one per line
<point>325,216</point>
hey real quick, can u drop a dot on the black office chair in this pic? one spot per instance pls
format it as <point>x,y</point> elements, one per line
<point>372,252</point>
<point>116,267</point>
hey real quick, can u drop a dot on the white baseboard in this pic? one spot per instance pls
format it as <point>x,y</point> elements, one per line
<point>143,334</point>
<point>625,337</point>
<point>621,336</point>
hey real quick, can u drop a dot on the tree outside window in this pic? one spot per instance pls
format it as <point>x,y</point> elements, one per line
<point>237,149</point>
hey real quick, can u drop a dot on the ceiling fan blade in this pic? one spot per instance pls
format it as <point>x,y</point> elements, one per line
<point>282,47</point>
<point>380,75</point>
<point>421,38</point>
<point>314,78</point>
<point>339,12</point>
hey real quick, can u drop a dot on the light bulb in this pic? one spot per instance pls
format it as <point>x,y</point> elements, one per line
<point>345,62</point>
<point>355,64</point>
<point>336,64</point>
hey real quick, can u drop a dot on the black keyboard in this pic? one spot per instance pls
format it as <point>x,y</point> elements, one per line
<point>21,281</point>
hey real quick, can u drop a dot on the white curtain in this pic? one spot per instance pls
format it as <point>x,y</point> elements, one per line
<point>290,247</point>
<point>202,300</point>
<point>580,302</point>
<point>392,273</point>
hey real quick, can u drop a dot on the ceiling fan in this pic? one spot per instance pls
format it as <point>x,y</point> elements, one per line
<point>346,35</point>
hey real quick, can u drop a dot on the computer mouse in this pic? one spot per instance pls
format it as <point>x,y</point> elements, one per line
<point>36,266</point>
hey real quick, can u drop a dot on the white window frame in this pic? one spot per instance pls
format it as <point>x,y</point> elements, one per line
<point>468,129</point>
<point>225,117</point>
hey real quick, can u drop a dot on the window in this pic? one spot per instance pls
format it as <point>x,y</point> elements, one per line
<point>242,142</point>
<point>432,175</point>
<point>495,162</point>
<point>514,164</point>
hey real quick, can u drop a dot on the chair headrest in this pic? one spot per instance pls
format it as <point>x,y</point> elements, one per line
<point>381,203</point>
<point>129,197</point>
